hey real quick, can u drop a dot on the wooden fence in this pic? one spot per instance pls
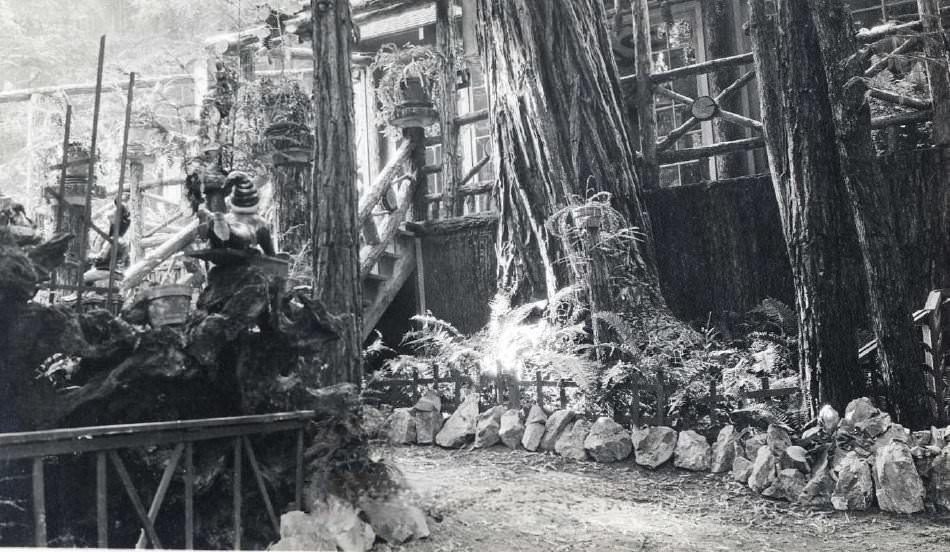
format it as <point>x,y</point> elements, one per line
<point>508,390</point>
<point>106,441</point>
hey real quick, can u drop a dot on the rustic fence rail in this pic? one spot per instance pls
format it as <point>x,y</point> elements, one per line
<point>507,390</point>
<point>107,441</point>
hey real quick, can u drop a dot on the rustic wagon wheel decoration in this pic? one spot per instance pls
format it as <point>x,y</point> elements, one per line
<point>704,108</point>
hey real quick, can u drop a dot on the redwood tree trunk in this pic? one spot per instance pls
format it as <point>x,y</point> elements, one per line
<point>335,230</point>
<point>558,127</point>
<point>816,221</point>
<point>891,309</point>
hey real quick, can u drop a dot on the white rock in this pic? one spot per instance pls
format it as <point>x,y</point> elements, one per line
<point>402,427</point>
<point>488,427</point>
<point>428,424</point>
<point>373,421</point>
<point>396,521</point>
<point>607,441</point>
<point>763,470</point>
<point>459,429</point>
<point>557,423</point>
<point>692,452</point>
<point>860,410</point>
<point>429,401</point>
<point>897,484</point>
<point>724,450</point>
<point>331,524</point>
<point>778,440</point>
<point>741,469</point>
<point>534,429</point>
<point>653,445</point>
<point>788,485</point>
<point>571,442</point>
<point>855,488</point>
<point>512,429</point>
<point>938,486</point>
<point>829,418</point>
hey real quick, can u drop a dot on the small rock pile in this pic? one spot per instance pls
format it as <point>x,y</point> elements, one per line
<point>847,463</point>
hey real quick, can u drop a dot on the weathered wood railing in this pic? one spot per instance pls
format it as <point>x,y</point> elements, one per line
<point>507,390</point>
<point>106,441</point>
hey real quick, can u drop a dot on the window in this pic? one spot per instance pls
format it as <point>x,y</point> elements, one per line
<point>870,13</point>
<point>475,143</point>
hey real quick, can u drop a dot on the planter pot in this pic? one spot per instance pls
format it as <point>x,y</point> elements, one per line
<point>586,217</point>
<point>168,305</point>
<point>416,109</point>
<point>291,142</point>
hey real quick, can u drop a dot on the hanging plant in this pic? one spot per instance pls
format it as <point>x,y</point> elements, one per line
<point>407,80</point>
<point>289,111</point>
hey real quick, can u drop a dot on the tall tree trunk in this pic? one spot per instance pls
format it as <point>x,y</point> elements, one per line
<point>557,116</point>
<point>335,229</point>
<point>891,309</point>
<point>721,23</point>
<point>816,221</point>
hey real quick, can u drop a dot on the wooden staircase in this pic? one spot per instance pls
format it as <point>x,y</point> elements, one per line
<point>390,273</point>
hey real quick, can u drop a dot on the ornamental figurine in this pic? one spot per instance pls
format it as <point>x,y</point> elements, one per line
<point>241,228</point>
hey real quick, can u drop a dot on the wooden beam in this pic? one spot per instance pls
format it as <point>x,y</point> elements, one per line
<point>82,89</point>
<point>369,254</point>
<point>701,68</point>
<point>91,176</point>
<point>383,181</point>
<point>643,97</point>
<point>471,117</point>
<point>722,113</point>
<point>911,117</point>
<point>898,99</point>
<point>908,45</point>
<point>139,270</point>
<point>724,95</point>
<point>702,152</point>
<point>163,485</point>
<point>445,45</point>
<point>117,222</point>
<point>134,498</point>
<point>883,31</point>
<point>403,269</point>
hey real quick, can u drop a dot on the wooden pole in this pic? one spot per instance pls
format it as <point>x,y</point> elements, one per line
<point>87,213</point>
<point>30,111</point>
<point>935,51</point>
<point>445,43</point>
<point>650,176</point>
<point>117,222</point>
<point>62,175</point>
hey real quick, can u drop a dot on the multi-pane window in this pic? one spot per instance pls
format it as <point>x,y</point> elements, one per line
<point>676,43</point>
<point>475,143</point>
<point>870,13</point>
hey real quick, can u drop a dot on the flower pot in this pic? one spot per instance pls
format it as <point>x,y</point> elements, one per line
<point>291,142</point>
<point>586,217</point>
<point>168,305</point>
<point>416,109</point>
<point>77,162</point>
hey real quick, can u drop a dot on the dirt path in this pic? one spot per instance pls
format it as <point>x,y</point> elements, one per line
<point>502,500</point>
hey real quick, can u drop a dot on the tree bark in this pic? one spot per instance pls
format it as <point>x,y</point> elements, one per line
<point>816,222</point>
<point>891,309</point>
<point>557,118</point>
<point>335,227</point>
<point>721,22</point>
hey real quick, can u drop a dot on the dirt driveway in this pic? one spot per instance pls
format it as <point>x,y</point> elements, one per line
<point>503,500</point>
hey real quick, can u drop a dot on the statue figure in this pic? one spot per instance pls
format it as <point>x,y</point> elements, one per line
<point>241,227</point>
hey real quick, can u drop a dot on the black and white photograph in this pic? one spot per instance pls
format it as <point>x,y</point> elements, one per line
<point>475,275</point>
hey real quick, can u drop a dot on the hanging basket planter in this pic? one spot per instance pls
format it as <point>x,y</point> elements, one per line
<point>168,305</point>
<point>587,217</point>
<point>290,142</point>
<point>415,110</point>
<point>77,162</point>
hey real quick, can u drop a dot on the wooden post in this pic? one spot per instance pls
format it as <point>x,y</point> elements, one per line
<point>635,400</point>
<point>62,175</point>
<point>435,377</point>
<point>102,500</point>
<point>91,181</point>
<point>932,332</point>
<point>539,388</point>
<point>189,497</point>
<point>236,493</point>
<point>500,381</point>
<point>415,383</point>
<point>562,393</point>
<point>30,111</point>
<point>650,173</point>
<point>136,213</point>
<point>298,472</point>
<point>935,52</point>
<point>458,387</point>
<point>39,504</point>
<point>117,223</point>
<point>514,394</point>
<point>445,43</point>
<point>660,398</point>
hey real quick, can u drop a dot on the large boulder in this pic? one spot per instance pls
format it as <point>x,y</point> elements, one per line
<point>724,450</point>
<point>938,486</point>
<point>556,424</point>
<point>459,429</point>
<point>828,418</point>
<point>534,428</point>
<point>396,521</point>
<point>897,484</point>
<point>607,441</point>
<point>859,411</point>
<point>402,427</point>
<point>692,452</point>
<point>855,488</point>
<point>331,525</point>
<point>571,442</point>
<point>788,485</point>
<point>821,484</point>
<point>488,427</point>
<point>741,469</point>
<point>374,421</point>
<point>752,444</point>
<point>511,428</point>
<point>763,470</point>
<point>653,445</point>
<point>428,414</point>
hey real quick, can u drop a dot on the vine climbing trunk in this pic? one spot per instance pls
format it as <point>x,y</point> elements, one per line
<point>816,222</point>
<point>335,229</point>
<point>559,133</point>
<point>891,308</point>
